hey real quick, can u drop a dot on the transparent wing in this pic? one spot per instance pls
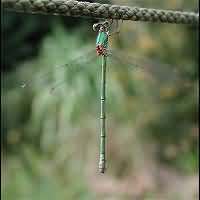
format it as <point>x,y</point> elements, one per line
<point>74,65</point>
<point>161,71</point>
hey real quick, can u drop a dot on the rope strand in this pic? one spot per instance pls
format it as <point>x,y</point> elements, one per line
<point>100,11</point>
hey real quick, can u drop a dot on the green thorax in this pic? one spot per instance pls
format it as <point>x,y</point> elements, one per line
<point>102,39</point>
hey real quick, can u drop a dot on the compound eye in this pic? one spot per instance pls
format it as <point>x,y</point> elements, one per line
<point>96,27</point>
<point>102,28</point>
<point>106,23</point>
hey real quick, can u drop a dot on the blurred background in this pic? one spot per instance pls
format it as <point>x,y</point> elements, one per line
<point>50,129</point>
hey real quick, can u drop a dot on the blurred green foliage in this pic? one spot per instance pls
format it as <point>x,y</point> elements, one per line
<point>50,139</point>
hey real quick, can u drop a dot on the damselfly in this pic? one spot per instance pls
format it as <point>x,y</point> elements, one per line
<point>162,72</point>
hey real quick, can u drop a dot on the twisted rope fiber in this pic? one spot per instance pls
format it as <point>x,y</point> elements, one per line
<point>101,11</point>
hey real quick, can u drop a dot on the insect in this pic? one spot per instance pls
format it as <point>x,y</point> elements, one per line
<point>103,51</point>
<point>102,37</point>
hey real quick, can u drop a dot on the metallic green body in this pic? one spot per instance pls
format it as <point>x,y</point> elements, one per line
<point>102,159</point>
<point>101,48</point>
<point>102,39</point>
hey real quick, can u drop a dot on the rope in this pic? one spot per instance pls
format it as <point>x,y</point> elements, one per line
<point>100,11</point>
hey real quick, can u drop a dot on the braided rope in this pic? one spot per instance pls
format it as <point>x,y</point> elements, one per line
<point>101,11</point>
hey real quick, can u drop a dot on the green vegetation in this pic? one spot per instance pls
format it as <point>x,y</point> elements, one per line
<point>51,137</point>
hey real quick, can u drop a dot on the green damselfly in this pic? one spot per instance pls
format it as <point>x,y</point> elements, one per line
<point>122,60</point>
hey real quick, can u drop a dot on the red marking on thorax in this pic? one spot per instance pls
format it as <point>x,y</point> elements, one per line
<point>100,50</point>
